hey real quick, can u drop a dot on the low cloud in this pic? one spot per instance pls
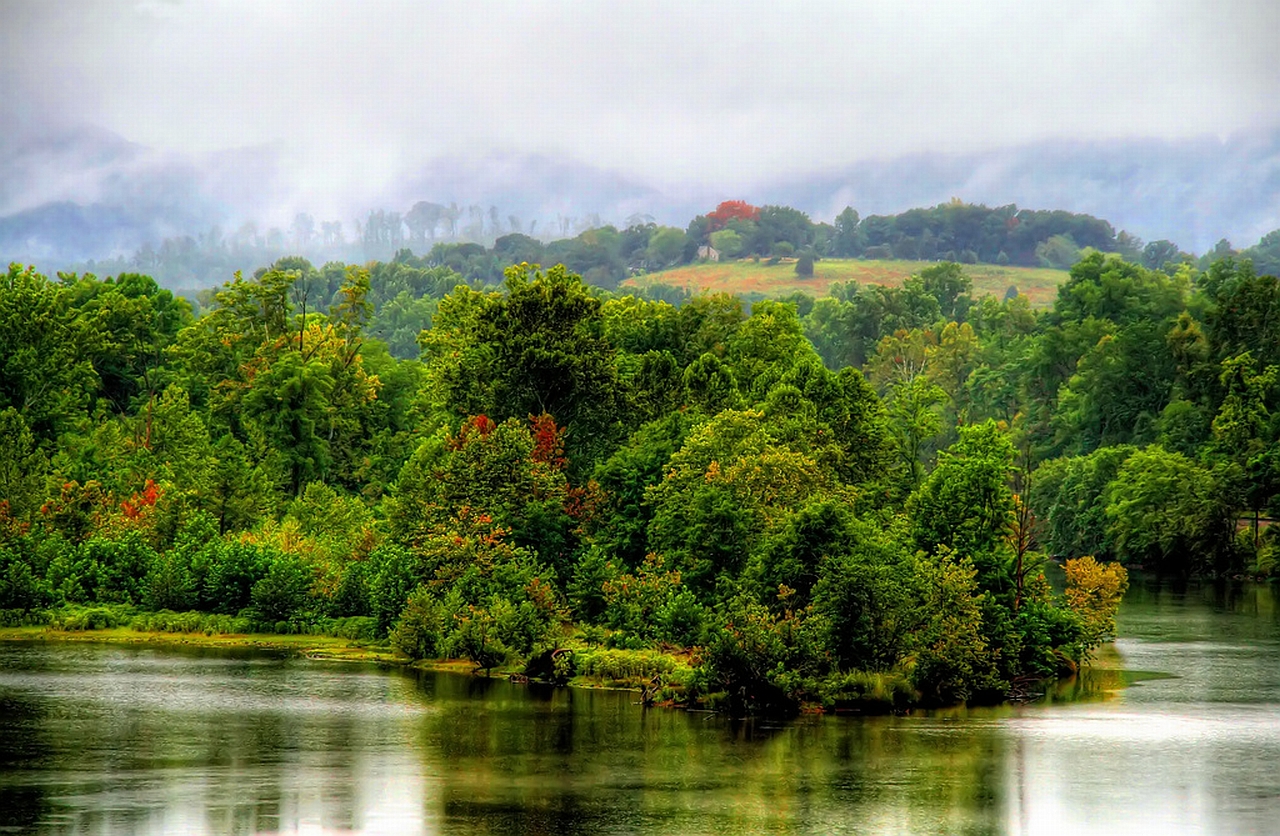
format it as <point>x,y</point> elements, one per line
<point>234,110</point>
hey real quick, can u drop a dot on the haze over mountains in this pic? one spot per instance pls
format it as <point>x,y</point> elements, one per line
<point>86,193</point>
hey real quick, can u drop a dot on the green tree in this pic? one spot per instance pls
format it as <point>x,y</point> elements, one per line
<point>727,242</point>
<point>537,349</point>
<point>46,370</point>
<point>948,283</point>
<point>665,247</point>
<point>1167,511</point>
<point>966,505</point>
<point>913,415</point>
<point>22,467</point>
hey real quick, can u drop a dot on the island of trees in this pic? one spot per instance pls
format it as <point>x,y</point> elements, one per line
<point>845,502</point>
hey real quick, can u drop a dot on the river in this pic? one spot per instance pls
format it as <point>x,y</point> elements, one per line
<point>115,739</point>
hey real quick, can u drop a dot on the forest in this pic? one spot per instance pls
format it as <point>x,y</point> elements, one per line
<point>846,502</point>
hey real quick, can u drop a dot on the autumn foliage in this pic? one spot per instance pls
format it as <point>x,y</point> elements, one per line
<point>730,210</point>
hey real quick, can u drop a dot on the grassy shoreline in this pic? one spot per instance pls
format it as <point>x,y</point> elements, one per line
<point>612,670</point>
<point>314,647</point>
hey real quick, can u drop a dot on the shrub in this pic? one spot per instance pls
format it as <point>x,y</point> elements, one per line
<point>284,590</point>
<point>804,264</point>
<point>629,667</point>
<point>21,587</point>
<point>105,617</point>
<point>867,691</point>
<point>233,569</point>
<point>419,632</point>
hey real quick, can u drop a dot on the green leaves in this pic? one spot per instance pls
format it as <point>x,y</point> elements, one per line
<point>536,349</point>
<point>1168,511</point>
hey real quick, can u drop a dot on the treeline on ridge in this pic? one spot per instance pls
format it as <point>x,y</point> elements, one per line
<point>480,244</point>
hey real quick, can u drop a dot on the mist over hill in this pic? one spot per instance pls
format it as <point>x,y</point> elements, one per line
<point>81,193</point>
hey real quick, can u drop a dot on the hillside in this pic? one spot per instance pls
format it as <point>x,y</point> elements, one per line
<point>748,277</point>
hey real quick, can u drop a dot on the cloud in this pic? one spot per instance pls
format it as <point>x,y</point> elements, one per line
<point>334,107</point>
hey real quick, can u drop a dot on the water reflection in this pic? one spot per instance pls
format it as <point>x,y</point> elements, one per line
<point>109,739</point>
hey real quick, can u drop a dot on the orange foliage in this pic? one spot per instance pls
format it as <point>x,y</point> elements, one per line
<point>10,527</point>
<point>133,507</point>
<point>729,210</point>
<point>548,441</point>
<point>477,426</point>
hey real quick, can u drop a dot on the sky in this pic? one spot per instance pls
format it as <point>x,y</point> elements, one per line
<point>348,100</point>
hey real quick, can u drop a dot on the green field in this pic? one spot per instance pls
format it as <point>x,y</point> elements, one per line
<point>746,277</point>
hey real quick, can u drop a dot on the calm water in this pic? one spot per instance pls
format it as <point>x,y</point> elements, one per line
<point>107,739</point>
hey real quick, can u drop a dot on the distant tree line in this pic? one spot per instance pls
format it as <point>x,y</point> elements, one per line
<point>480,243</point>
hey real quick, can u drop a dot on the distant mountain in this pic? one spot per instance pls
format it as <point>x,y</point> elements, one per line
<point>85,193</point>
<point>1191,192</point>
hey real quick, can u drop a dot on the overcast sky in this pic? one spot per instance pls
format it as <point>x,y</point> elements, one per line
<point>352,96</point>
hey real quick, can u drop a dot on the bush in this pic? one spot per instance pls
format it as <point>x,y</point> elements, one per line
<point>21,585</point>
<point>233,569</point>
<point>353,628</point>
<point>102,570</point>
<point>24,618</point>
<point>284,591</point>
<point>210,624</point>
<point>75,619</point>
<point>629,667</point>
<point>419,632</point>
<point>804,264</point>
<point>866,691</point>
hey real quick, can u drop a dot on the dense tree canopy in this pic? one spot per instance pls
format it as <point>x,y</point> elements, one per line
<point>842,501</point>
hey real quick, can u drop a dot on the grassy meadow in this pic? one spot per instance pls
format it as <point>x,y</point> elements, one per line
<point>747,277</point>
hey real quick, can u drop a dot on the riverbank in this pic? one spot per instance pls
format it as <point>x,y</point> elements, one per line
<point>602,669</point>
<point>313,647</point>
<point>660,677</point>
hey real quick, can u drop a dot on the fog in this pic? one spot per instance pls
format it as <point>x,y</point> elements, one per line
<point>187,114</point>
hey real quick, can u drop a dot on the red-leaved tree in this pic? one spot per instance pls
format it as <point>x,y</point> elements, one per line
<point>730,209</point>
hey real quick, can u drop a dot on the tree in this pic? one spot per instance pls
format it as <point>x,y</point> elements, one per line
<point>1167,511</point>
<point>1093,593</point>
<point>948,283</point>
<point>45,349</point>
<point>730,210</point>
<point>288,402</point>
<point>1105,287</point>
<point>913,415</point>
<point>1159,253</point>
<point>727,242</point>
<point>538,348</point>
<point>965,505</point>
<point>22,467</point>
<point>848,240</point>
<point>665,247</point>
<point>954,660</point>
